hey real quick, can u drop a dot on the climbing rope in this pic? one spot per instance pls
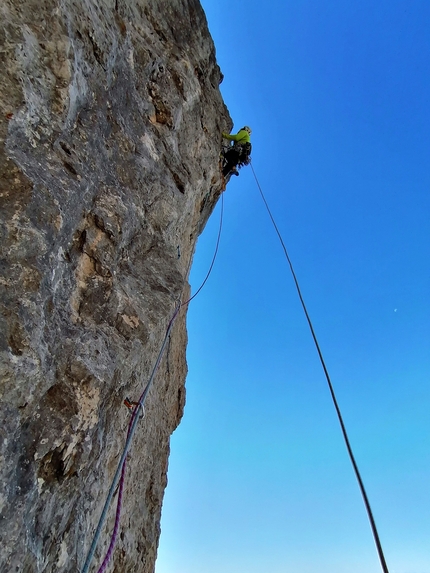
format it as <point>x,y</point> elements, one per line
<point>213,258</point>
<point>120,471</point>
<point>330,385</point>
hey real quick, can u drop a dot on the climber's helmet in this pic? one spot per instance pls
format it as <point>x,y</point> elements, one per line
<point>248,129</point>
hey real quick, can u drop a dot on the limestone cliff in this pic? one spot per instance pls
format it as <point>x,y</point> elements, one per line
<point>110,122</point>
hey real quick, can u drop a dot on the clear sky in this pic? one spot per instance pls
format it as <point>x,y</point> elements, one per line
<point>337,93</point>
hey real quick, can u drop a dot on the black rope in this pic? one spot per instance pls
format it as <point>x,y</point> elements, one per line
<point>339,415</point>
<point>213,258</point>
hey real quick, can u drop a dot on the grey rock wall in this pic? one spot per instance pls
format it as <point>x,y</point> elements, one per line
<point>110,122</point>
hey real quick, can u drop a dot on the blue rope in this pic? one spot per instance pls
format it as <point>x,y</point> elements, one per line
<point>133,427</point>
<point>140,404</point>
<point>333,396</point>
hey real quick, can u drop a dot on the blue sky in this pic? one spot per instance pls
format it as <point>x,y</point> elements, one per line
<point>338,96</point>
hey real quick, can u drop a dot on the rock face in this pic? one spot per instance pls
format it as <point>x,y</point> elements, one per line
<point>110,122</point>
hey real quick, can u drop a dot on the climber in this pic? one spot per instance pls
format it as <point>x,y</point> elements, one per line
<point>237,154</point>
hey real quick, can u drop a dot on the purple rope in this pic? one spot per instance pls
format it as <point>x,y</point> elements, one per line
<point>139,405</point>
<point>112,543</point>
<point>142,398</point>
<point>117,520</point>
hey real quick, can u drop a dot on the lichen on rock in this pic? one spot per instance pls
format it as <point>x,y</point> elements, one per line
<point>110,122</point>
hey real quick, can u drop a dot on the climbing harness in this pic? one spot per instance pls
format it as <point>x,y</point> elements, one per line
<point>119,476</point>
<point>330,385</point>
<point>245,154</point>
<point>240,153</point>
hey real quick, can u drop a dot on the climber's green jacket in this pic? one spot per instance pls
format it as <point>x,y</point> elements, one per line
<point>241,137</point>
